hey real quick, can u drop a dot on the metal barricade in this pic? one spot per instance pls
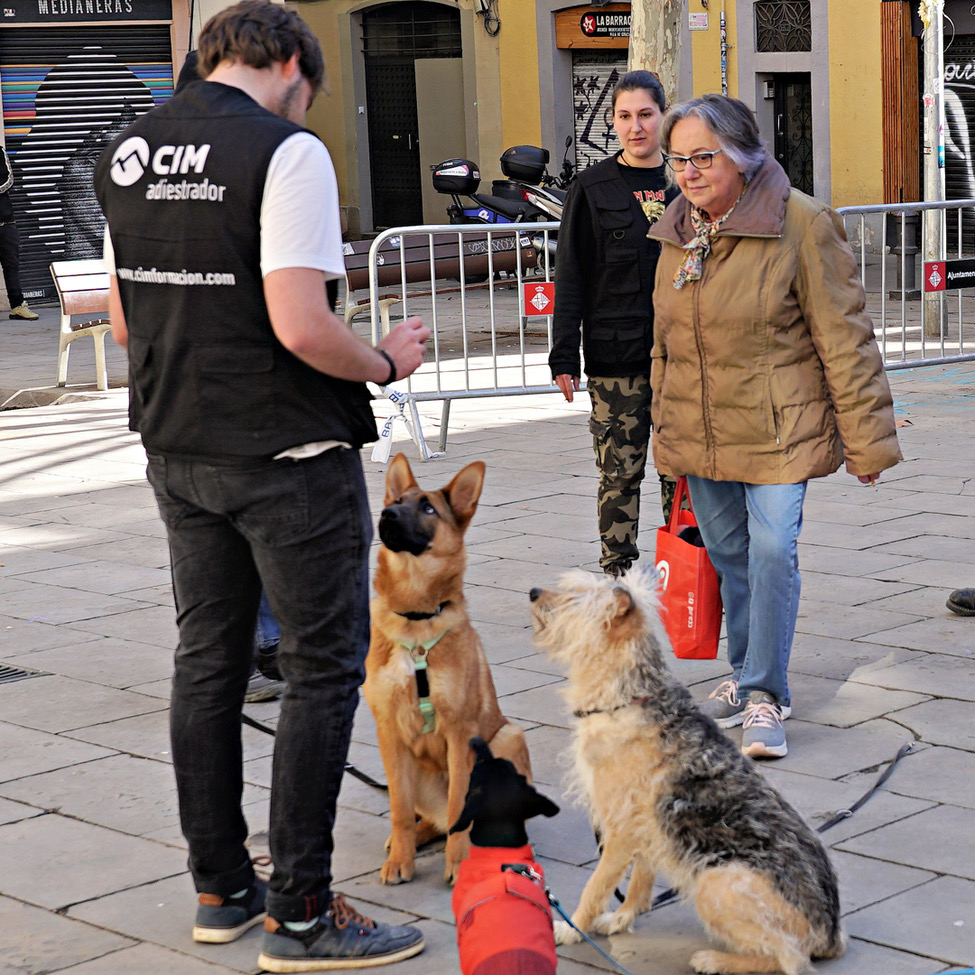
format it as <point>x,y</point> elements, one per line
<point>467,282</point>
<point>914,328</point>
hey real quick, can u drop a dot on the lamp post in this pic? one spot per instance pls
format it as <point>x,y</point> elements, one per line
<point>932,15</point>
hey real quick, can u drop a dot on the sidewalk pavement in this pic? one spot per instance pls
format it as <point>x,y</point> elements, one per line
<point>92,864</point>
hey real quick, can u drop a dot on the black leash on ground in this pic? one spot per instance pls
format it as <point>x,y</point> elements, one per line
<point>349,767</point>
<point>670,894</point>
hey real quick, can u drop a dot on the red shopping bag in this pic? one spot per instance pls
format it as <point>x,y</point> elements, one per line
<point>690,601</point>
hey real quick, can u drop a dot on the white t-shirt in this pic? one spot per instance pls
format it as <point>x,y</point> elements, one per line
<point>300,224</point>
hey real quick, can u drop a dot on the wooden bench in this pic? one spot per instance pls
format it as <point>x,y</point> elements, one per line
<point>82,288</point>
<point>413,259</point>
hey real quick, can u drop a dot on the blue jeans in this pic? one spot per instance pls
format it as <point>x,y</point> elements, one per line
<point>303,529</point>
<point>751,532</point>
<point>267,632</point>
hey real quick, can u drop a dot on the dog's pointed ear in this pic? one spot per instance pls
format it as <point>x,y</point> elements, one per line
<point>399,478</point>
<point>463,491</point>
<point>624,601</point>
<point>544,806</point>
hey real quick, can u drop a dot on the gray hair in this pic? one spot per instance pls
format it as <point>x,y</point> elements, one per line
<point>733,124</point>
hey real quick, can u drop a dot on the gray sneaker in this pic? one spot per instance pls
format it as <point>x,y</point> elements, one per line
<point>763,735</point>
<point>340,938</point>
<point>724,705</point>
<point>261,688</point>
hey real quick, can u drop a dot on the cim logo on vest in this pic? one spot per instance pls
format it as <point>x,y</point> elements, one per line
<point>131,159</point>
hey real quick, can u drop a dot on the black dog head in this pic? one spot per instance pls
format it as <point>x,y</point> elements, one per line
<point>498,802</point>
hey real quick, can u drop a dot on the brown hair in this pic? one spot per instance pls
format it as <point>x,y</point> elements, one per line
<point>259,33</point>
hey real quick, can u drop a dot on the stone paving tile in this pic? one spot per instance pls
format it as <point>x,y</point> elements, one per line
<point>936,920</point>
<point>28,559</point>
<point>941,675</point>
<point>68,704</point>
<point>559,553</point>
<point>945,633</point>
<point>846,622</point>
<point>12,812</point>
<point>908,841</point>
<point>151,624</point>
<point>932,572</point>
<point>822,588</point>
<point>925,502</point>
<point>36,941</point>
<point>25,752</point>
<point>149,959</point>
<point>840,659</point>
<point>102,660</point>
<point>864,881</point>
<point>54,861</point>
<point>844,562</point>
<point>845,704</point>
<point>818,799</point>
<point>107,578</point>
<point>921,601</point>
<point>120,792</point>
<point>57,605</point>
<point>941,774</point>
<point>942,722</point>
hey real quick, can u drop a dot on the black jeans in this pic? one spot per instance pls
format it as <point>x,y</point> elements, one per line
<point>10,261</point>
<point>302,529</point>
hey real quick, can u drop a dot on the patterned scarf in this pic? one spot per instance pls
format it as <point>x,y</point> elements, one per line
<point>697,249</point>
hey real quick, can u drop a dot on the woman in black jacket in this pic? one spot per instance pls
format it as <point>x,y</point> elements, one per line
<point>603,286</point>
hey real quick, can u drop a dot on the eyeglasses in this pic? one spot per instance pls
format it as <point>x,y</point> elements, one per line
<point>700,160</point>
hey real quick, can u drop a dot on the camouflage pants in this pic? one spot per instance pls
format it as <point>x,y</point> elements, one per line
<point>620,427</point>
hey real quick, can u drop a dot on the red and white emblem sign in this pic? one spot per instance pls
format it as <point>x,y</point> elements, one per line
<point>935,276</point>
<point>588,25</point>
<point>539,298</point>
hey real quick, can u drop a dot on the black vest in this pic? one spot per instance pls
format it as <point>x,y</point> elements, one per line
<point>181,189</point>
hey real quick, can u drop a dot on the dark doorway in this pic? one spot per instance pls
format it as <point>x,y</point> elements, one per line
<point>793,128</point>
<point>395,36</point>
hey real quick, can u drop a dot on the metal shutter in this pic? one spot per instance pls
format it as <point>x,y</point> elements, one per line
<point>960,118</point>
<point>594,76</point>
<point>67,92</point>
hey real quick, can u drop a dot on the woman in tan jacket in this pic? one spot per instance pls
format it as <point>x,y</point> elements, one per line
<point>765,373</point>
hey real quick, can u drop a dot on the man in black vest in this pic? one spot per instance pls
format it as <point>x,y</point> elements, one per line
<point>10,245</point>
<point>223,241</point>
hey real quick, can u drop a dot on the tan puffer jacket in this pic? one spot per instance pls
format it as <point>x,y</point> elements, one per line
<point>766,370</point>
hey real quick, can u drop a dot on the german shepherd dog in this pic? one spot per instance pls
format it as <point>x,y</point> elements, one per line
<point>668,791</point>
<point>427,678</point>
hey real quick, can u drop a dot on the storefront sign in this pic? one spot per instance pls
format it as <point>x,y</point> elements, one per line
<point>598,23</point>
<point>83,11</point>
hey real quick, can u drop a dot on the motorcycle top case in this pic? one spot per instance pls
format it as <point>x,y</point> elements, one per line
<point>456,176</point>
<point>526,163</point>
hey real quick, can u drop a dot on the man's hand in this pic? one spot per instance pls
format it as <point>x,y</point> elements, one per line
<point>568,384</point>
<point>405,345</point>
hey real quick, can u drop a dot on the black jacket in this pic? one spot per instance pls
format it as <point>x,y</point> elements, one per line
<point>6,181</point>
<point>604,273</point>
<point>207,375</point>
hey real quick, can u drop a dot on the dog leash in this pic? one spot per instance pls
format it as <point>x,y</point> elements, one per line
<point>554,901</point>
<point>349,767</point>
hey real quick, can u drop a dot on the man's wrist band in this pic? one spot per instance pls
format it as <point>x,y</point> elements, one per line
<point>392,367</point>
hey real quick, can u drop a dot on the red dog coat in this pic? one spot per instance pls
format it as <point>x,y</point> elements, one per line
<point>504,922</point>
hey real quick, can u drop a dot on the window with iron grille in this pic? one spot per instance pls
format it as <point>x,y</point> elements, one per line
<point>417,30</point>
<point>783,25</point>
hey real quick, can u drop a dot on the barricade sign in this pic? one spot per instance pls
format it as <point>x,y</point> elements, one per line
<point>539,298</point>
<point>949,275</point>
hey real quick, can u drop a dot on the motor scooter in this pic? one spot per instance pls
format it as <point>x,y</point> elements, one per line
<point>459,178</point>
<point>528,194</point>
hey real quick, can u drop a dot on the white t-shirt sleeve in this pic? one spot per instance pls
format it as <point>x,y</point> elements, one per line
<point>300,223</point>
<point>108,252</point>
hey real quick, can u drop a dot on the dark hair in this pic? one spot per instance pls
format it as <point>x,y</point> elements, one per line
<point>259,33</point>
<point>733,124</point>
<point>641,80</point>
